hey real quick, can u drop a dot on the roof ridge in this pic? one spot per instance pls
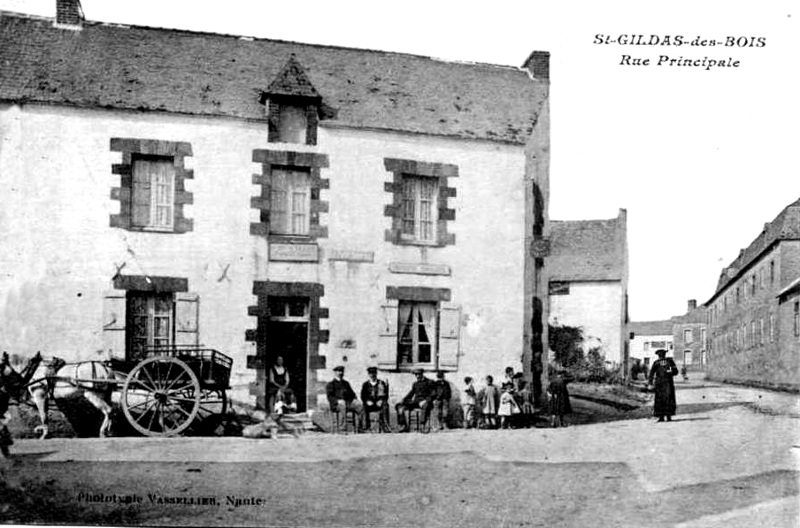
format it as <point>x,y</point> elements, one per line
<point>252,38</point>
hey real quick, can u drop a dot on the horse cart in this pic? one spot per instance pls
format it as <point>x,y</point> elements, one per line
<point>169,391</point>
<point>175,388</point>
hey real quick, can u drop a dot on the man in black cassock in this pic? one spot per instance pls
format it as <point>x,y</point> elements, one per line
<point>660,378</point>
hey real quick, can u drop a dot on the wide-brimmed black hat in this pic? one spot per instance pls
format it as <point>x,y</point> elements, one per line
<point>661,351</point>
<point>338,368</point>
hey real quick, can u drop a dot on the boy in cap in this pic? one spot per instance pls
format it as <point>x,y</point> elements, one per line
<point>375,397</point>
<point>441,398</point>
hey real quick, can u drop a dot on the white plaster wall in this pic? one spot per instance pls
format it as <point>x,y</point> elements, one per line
<point>486,261</point>
<point>597,307</point>
<point>59,253</point>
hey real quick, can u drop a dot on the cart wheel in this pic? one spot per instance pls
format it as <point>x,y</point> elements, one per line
<point>161,396</point>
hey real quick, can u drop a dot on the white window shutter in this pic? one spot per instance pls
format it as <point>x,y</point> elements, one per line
<point>387,336</point>
<point>187,311</point>
<point>449,335</point>
<point>114,317</point>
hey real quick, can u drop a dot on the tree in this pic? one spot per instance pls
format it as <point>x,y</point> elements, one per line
<point>566,342</point>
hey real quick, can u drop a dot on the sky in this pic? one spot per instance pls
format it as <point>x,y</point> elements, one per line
<point>700,159</point>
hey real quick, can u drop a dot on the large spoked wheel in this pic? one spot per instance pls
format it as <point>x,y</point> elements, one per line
<point>161,396</point>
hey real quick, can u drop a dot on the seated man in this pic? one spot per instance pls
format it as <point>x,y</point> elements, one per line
<point>341,396</point>
<point>419,397</point>
<point>375,397</point>
<point>441,398</point>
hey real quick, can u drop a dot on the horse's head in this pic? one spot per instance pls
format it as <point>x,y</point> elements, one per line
<point>55,365</point>
<point>10,380</point>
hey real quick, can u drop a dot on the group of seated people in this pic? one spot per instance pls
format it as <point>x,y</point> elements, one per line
<point>509,405</point>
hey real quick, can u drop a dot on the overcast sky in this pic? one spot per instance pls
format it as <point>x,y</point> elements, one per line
<point>700,159</point>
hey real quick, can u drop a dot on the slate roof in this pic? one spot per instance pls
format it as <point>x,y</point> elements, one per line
<point>588,250</point>
<point>145,68</point>
<point>785,226</point>
<point>650,328</point>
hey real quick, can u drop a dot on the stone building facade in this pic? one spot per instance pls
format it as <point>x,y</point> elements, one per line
<point>754,315</point>
<point>334,206</point>
<point>588,282</point>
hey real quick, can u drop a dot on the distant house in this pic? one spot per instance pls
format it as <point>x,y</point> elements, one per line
<point>588,281</point>
<point>690,337</point>
<point>649,336</point>
<point>683,337</point>
<point>754,315</point>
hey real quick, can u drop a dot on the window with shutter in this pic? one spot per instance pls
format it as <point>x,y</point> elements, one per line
<point>153,193</point>
<point>290,200</point>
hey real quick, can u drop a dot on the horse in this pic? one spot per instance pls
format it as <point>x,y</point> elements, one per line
<point>66,382</point>
<point>12,384</point>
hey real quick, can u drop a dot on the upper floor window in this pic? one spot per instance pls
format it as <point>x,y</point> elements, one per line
<point>796,319</point>
<point>688,336</point>
<point>419,208</point>
<point>290,201</point>
<point>153,193</point>
<point>772,272</point>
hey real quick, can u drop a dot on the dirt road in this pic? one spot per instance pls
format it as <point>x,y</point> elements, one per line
<point>730,457</point>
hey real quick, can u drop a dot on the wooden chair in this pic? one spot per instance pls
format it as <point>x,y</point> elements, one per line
<point>350,420</point>
<point>419,420</point>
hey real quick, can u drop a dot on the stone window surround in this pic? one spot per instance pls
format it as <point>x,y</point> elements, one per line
<point>418,293</point>
<point>151,283</point>
<point>310,161</point>
<point>442,171</point>
<point>263,290</point>
<point>130,147</point>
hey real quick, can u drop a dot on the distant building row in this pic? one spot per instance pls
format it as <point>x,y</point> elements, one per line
<point>754,314</point>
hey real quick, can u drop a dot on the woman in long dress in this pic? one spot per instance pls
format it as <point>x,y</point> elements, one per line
<point>279,391</point>
<point>660,378</point>
<point>559,404</point>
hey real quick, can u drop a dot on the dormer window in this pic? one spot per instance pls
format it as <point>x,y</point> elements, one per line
<point>292,124</point>
<point>293,106</point>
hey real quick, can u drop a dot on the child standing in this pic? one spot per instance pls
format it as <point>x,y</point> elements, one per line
<point>508,407</point>
<point>490,403</point>
<point>468,399</point>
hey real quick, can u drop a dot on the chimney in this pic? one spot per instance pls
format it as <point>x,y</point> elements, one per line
<point>692,305</point>
<point>69,12</point>
<point>538,64</point>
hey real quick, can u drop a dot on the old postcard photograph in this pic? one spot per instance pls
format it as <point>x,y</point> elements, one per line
<point>408,264</point>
